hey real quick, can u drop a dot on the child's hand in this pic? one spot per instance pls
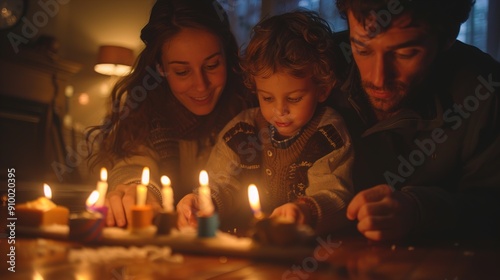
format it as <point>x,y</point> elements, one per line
<point>186,211</point>
<point>298,213</point>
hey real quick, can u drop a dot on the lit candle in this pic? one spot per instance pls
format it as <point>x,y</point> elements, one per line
<point>142,189</point>
<point>92,200</point>
<point>253,197</point>
<point>168,195</point>
<point>47,191</point>
<point>205,200</point>
<point>102,188</point>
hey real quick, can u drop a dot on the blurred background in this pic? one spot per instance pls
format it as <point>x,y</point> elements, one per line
<point>50,92</point>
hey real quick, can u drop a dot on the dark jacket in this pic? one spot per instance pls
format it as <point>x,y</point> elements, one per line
<point>443,148</point>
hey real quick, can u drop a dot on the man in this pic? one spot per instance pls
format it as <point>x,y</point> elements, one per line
<point>423,112</point>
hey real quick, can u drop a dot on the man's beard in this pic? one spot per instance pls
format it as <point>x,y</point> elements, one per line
<point>399,94</point>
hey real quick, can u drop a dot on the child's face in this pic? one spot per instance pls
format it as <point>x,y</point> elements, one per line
<point>195,67</point>
<point>287,102</point>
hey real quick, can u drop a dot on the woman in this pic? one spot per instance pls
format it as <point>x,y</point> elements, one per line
<point>166,114</point>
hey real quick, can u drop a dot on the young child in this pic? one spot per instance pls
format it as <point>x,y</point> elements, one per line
<point>296,151</point>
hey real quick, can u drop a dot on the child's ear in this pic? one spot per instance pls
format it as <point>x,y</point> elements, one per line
<point>160,70</point>
<point>324,92</point>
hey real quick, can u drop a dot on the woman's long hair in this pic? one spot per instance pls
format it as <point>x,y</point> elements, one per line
<point>143,95</point>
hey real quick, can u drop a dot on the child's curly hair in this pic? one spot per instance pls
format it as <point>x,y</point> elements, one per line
<point>298,43</point>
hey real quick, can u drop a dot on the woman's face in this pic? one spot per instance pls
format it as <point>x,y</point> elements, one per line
<point>194,65</point>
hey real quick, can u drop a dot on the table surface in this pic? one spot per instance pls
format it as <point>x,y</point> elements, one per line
<point>333,257</point>
<point>341,256</point>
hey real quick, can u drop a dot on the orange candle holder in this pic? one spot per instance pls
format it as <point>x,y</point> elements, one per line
<point>141,218</point>
<point>41,212</point>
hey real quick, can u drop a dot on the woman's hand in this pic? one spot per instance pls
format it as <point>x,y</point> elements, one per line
<point>119,202</point>
<point>186,210</point>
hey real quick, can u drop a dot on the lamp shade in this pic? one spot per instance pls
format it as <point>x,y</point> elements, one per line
<point>114,61</point>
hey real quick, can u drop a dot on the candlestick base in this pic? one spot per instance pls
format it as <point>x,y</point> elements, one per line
<point>165,222</point>
<point>280,232</point>
<point>208,225</point>
<point>86,226</point>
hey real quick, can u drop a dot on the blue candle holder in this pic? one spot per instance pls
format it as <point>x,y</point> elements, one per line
<point>208,225</point>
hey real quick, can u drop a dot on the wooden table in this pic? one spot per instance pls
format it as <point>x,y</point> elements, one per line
<point>342,256</point>
<point>335,257</point>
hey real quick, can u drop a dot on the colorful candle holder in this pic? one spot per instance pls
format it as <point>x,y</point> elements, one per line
<point>100,209</point>
<point>86,226</point>
<point>208,225</point>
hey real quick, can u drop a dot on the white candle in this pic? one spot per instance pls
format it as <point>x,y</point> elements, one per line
<point>205,199</point>
<point>47,191</point>
<point>142,189</point>
<point>102,188</point>
<point>253,197</point>
<point>167,194</point>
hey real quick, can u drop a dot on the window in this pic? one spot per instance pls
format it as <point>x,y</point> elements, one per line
<point>475,30</point>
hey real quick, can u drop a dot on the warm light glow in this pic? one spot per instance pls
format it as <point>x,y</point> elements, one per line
<point>203,178</point>
<point>68,91</point>
<point>167,194</point>
<point>47,191</point>
<point>253,198</point>
<point>92,199</point>
<point>112,69</point>
<point>83,98</point>
<point>165,181</point>
<point>104,174</point>
<point>145,176</point>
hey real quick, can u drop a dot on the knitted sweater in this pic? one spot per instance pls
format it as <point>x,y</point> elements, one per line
<point>315,168</point>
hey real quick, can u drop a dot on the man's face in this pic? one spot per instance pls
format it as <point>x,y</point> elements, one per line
<point>392,62</point>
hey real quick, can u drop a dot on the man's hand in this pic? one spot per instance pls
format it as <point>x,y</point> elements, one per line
<point>119,202</point>
<point>186,210</point>
<point>383,214</point>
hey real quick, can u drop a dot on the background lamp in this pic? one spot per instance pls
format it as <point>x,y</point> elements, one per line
<point>114,61</point>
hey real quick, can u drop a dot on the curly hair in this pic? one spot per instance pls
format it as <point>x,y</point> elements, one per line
<point>299,43</point>
<point>443,16</point>
<point>135,103</point>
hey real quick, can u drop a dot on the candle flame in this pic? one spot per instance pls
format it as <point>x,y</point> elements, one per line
<point>93,197</point>
<point>47,191</point>
<point>145,176</point>
<point>203,178</point>
<point>253,197</point>
<point>165,181</point>
<point>104,174</point>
